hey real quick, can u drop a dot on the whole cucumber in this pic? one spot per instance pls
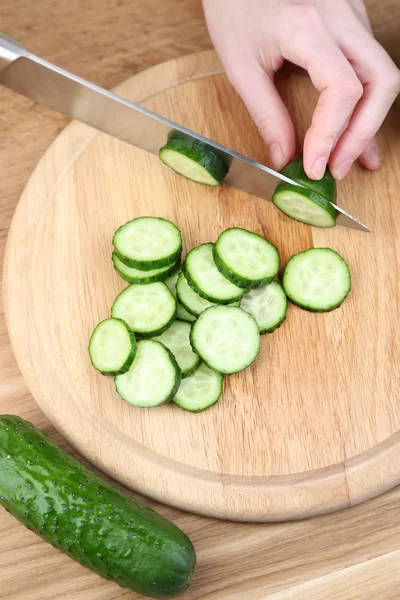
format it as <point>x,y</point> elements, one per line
<point>79,513</point>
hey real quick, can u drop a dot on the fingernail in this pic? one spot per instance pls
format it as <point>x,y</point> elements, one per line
<point>374,156</point>
<point>276,156</point>
<point>342,169</point>
<point>318,168</point>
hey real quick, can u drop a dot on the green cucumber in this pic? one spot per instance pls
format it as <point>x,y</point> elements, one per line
<point>310,204</point>
<point>317,279</point>
<point>139,277</point>
<point>192,302</point>
<point>112,347</point>
<point>148,243</point>
<point>194,160</point>
<point>176,338</point>
<point>268,306</point>
<point>183,315</point>
<point>79,513</point>
<point>226,338</point>
<point>153,378</point>
<point>204,278</point>
<point>199,391</point>
<point>148,310</point>
<point>245,258</point>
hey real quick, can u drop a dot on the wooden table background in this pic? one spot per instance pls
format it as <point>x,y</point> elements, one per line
<point>350,555</point>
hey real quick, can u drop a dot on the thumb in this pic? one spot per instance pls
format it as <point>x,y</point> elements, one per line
<point>257,90</point>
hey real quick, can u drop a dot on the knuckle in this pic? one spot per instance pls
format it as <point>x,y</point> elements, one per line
<point>392,81</point>
<point>349,86</point>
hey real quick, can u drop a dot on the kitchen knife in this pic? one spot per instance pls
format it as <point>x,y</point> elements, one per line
<point>79,99</point>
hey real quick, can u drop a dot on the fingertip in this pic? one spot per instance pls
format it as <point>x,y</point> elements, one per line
<point>370,158</point>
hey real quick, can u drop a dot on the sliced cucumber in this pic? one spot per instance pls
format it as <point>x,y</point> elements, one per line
<point>311,204</point>
<point>147,309</point>
<point>137,276</point>
<point>192,302</point>
<point>268,306</point>
<point>245,258</point>
<point>199,391</point>
<point>205,279</point>
<point>226,338</point>
<point>176,338</point>
<point>183,315</point>
<point>148,243</point>
<point>317,279</point>
<point>153,378</point>
<point>194,160</point>
<point>171,280</point>
<point>112,347</point>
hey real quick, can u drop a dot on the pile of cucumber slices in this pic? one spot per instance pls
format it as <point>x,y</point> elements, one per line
<point>177,329</point>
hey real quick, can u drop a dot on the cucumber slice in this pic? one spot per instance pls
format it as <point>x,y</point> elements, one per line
<point>268,306</point>
<point>153,378</point>
<point>226,338</point>
<point>245,258</point>
<point>309,205</point>
<point>204,278</point>
<point>171,280</point>
<point>194,160</point>
<point>317,279</point>
<point>148,243</point>
<point>183,315</point>
<point>192,302</point>
<point>148,310</point>
<point>199,391</point>
<point>112,347</point>
<point>176,338</point>
<point>137,276</point>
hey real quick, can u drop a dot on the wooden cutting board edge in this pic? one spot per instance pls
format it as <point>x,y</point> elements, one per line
<point>317,492</point>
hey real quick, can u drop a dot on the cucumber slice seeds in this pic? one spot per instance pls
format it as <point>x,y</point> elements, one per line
<point>199,391</point>
<point>112,347</point>
<point>268,306</point>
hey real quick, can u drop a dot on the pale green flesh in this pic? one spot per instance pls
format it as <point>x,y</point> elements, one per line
<point>171,280</point>
<point>145,308</point>
<point>302,209</point>
<point>207,278</point>
<point>187,167</point>
<point>318,278</point>
<point>183,314</point>
<point>266,304</point>
<point>192,300</point>
<point>110,345</point>
<point>151,378</point>
<point>137,273</point>
<point>176,338</point>
<point>200,390</point>
<point>148,239</point>
<point>248,255</point>
<point>226,338</point>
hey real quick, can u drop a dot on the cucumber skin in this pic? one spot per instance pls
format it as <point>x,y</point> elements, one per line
<point>242,282</point>
<point>199,153</point>
<point>79,513</point>
<point>171,260</point>
<point>144,279</point>
<point>128,363</point>
<point>325,187</point>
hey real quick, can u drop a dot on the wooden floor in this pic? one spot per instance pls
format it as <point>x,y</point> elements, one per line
<point>353,554</point>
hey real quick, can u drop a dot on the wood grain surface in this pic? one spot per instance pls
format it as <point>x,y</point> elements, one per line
<point>352,554</point>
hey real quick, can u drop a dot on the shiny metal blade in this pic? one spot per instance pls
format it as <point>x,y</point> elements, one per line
<point>79,99</point>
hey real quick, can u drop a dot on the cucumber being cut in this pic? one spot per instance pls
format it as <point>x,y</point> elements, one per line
<point>81,514</point>
<point>176,338</point>
<point>309,205</point>
<point>268,306</point>
<point>245,258</point>
<point>148,243</point>
<point>112,347</point>
<point>317,279</point>
<point>204,278</point>
<point>153,378</point>
<point>194,160</point>
<point>226,338</point>
<point>137,276</point>
<point>148,310</point>
<point>199,391</point>
<point>182,314</point>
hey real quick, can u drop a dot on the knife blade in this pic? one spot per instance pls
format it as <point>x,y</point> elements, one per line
<point>43,82</point>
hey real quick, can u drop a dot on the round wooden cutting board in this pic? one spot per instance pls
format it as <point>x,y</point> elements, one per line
<point>313,426</point>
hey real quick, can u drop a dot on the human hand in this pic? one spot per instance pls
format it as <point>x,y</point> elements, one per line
<point>357,80</point>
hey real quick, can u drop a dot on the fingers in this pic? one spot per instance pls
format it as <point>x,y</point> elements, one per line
<point>307,43</point>
<point>257,90</point>
<point>370,157</point>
